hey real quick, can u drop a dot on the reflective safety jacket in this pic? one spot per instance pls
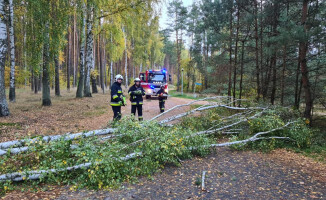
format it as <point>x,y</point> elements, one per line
<point>136,95</point>
<point>161,91</point>
<point>116,94</point>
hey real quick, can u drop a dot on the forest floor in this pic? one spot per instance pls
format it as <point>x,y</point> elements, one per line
<point>280,174</point>
<point>68,114</point>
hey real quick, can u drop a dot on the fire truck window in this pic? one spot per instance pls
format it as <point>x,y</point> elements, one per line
<point>156,78</point>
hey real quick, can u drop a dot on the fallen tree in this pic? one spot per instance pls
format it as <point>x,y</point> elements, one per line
<point>148,146</point>
<point>68,136</point>
<point>37,174</point>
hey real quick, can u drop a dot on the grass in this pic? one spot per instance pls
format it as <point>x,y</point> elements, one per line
<point>174,93</point>
<point>317,150</point>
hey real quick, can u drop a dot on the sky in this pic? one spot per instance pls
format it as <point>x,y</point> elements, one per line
<point>164,18</point>
<point>164,15</point>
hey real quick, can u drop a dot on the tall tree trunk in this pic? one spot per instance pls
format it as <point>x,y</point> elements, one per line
<point>303,62</point>
<point>256,51</point>
<point>36,83</point>
<point>111,66</point>
<point>32,79</point>
<point>69,57</point>
<point>74,51</point>
<point>81,81</point>
<point>236,54</point>
<point>126,57</point>
<point>283,76</point>
<point>101,65</point>
<point>89,52</point>
<point>4,110</point>
<point>241,70</point>
<point>273,65</point>
<point>12,93</point>
<point>57,76</point>
<point>178,56</point>
<point>297,82</point>
<point>40,83</point>
<point>46,99</point>
<point>230,50</point>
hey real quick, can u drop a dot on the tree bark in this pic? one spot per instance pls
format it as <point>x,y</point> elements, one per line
<point>126,56</point>
<point>57,76</point>
<point>4,110</point>
<point>303,62</point>
<point>69,57</point>
<point>256,51</point>
<point>89,52</point>
<point>230,50</point>
<point>283,76</point>
<point>241,70</point>
<point>81,81</point>
<point>12,93</point>
<point>236,54</point>
<point>46,99</point>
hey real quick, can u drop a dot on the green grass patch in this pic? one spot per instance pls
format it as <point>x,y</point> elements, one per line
<point>9,124</point>
<point>174,93</point>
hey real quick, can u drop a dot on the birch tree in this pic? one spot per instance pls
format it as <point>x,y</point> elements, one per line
<point>89,51</point>
<point>80,89</point>
<point>12,93</point>
<point>4,110</point>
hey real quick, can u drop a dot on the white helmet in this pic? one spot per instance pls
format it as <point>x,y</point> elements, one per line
<point>137,80</point>
<point>119,76</point>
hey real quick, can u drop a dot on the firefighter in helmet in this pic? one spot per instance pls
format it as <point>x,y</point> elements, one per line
<point>162,98</point>
<point>136,93</point>
<point>117,98</point>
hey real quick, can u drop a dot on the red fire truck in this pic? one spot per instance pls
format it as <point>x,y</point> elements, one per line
<point>151,80</point>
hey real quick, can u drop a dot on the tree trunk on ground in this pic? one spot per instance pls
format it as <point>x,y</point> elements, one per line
<point>89,52</point>
<point>303,62</point>
<point>81,81</point>
<point>46,99</point>
<point>4,110</point>
<point>12,93</point>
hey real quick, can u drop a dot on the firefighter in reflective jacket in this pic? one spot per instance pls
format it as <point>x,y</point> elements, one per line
<point>136,93</point>
<point>117,98</point>
<point>161,98</point>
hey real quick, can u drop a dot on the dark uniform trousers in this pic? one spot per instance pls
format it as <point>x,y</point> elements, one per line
<point>139,109</point>
<point>162,105</point>
<point>116,112</point>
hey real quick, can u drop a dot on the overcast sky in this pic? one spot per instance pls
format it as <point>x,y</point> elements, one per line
<point>164,15</point>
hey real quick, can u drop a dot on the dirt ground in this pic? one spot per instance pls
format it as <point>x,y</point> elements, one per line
<point>280,174</point>
<point>230,174</point>
<point>68,114</point>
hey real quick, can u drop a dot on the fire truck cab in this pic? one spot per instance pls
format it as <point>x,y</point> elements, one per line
<point>151,80</point>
